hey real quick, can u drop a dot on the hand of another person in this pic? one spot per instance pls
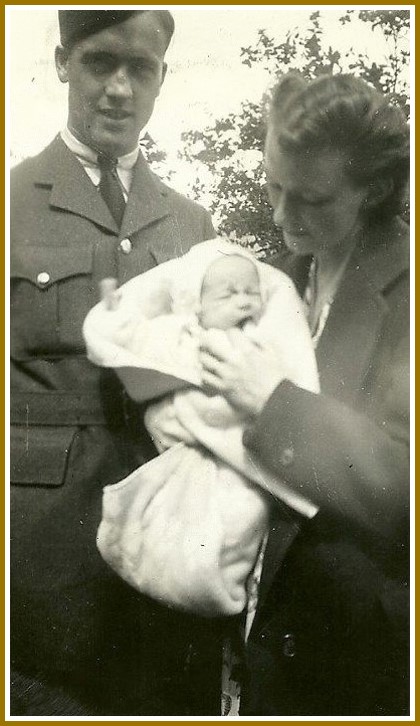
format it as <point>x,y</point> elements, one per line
<point>243,371</point>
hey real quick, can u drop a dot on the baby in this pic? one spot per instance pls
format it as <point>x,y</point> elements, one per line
<point>231,294</point>
<point>187,527</point>
<point>230,297</point>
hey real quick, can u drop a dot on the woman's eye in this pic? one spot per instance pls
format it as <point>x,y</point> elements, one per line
<point>313,202</point>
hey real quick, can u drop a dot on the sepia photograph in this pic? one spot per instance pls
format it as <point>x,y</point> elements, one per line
<point>209,512</point>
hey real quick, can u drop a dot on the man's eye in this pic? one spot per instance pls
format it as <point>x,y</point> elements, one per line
<point>100,64</point>
<point>141,67</point>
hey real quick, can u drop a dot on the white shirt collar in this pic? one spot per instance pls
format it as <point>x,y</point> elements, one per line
<point>89,157</point>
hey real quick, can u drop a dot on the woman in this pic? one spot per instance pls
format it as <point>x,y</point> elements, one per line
<point>330,634</point>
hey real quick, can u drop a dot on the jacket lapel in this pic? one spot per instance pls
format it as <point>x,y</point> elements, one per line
<point>73,191</point>
<point>284,529</point>
<point>71,188</point>
<point>356,318</point>
<point>146,202</point>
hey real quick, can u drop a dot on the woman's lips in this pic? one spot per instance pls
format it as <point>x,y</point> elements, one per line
<point>295,233</point>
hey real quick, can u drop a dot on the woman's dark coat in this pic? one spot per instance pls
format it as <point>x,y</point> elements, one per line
<point>331,632</point>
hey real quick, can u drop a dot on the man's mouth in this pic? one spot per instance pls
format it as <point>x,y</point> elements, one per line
<point>115,114</point>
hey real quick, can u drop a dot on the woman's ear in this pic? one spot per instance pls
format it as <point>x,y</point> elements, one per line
<point>378,191</point>
<point>61,63</point>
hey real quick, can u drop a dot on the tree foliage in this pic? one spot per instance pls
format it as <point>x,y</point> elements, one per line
<point>232,148</point>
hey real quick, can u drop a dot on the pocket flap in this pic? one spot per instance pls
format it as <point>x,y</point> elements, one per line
<point>39,454</point>
<point>44,265</point>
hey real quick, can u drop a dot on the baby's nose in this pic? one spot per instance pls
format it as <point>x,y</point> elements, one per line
<point>244,301</point>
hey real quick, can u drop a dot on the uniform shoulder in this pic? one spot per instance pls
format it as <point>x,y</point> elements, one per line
<point>23,170</point>
<point>28,169</point>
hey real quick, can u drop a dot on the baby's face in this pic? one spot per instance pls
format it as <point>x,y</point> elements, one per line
<point>231,294</point>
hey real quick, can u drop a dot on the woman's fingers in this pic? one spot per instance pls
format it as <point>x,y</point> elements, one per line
<point>217,344</point>
<point>212,383</point>
<point>211,364</point>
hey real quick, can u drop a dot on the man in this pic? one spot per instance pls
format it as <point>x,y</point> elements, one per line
<point>86,208</point>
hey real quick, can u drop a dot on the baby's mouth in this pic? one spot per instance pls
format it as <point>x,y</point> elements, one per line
<point>243,321</point>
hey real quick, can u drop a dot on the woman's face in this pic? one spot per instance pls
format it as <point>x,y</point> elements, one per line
<point>314,201</point>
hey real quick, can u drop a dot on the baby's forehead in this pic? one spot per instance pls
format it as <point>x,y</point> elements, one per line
<point>230,268</point>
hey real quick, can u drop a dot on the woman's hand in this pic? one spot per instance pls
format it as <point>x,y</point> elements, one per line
<point>241,370</point>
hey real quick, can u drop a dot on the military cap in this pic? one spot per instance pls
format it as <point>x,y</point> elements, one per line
<point>76,25</point>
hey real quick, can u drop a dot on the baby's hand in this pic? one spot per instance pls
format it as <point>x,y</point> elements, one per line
<point>110,295</point>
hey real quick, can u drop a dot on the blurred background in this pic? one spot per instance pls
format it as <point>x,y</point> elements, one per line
<point>206,134</point>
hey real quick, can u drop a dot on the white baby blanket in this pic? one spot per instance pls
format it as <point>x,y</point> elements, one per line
<point>186,527</point>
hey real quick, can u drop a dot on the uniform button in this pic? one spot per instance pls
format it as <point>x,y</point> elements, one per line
<point>126,246</point>
<point>43,278</point>
<point>287,457</point>
<point>289,645</point>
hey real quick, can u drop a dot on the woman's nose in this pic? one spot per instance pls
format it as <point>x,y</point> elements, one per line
<point>119,84</point>
<point>282,209</point>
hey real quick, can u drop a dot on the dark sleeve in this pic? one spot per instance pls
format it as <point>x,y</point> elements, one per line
<point>208,229</point>
<point>349,464</point>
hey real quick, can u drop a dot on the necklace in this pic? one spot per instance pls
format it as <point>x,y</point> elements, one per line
<point>319,298</point>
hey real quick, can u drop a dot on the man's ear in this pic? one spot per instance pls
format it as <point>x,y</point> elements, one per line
<point>61,63</point>
<point>380,190</point>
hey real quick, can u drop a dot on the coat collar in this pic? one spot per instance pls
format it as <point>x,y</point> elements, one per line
<point>73,191</point>
<point>147,201</point>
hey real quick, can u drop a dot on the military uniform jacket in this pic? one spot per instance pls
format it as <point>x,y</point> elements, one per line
<point>72,431</point>
<point>330,634</point>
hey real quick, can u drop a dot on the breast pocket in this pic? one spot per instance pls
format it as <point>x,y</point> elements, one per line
<point>51,293</point>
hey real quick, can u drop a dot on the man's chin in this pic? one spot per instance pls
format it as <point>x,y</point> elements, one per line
<point>113,144</point>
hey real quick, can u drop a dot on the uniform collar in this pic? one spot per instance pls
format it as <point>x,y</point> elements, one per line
<point>89,157</point>
<point>72,190</point>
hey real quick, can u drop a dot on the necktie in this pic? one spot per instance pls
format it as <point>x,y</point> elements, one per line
<point>110,187</point>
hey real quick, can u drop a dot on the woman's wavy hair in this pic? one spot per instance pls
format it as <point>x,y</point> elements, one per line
<point>345,113</point>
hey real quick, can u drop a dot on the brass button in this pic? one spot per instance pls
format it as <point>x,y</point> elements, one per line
<point>287,457</point>
<point>126,246</point>
<point>43,279</point>
<point>289,645</point>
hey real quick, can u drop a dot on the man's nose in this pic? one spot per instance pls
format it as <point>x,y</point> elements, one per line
<point>119,84</point>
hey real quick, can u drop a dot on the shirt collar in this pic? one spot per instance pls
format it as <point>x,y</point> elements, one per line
<point>90,157</point>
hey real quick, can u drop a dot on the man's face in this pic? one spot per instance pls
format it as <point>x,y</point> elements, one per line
<point>114,78</point>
